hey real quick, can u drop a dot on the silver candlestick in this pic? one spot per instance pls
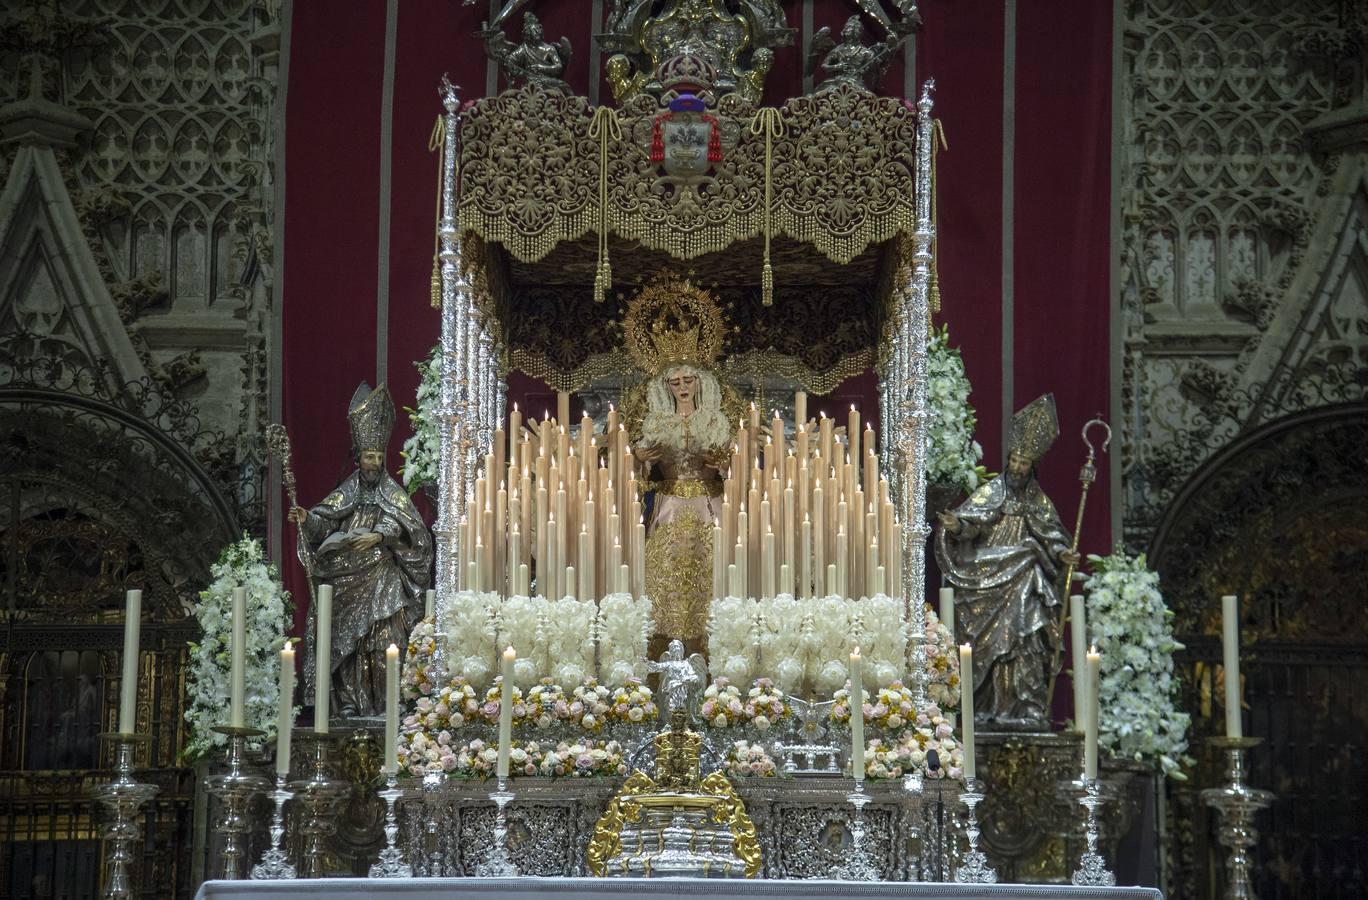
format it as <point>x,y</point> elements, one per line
<point>432,803</point>
<point>1237,803</point>
<point>975,869</point>
<point>123,796</point>
<point>497,863</point>
<point>318,795</point>
<point>234,790</point>
<point>275,862</point>
<point>391,864</point>
<point>1092,868</point>
<point>858,866</point>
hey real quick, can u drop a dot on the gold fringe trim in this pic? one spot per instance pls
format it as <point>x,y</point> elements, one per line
<point>437,142</point>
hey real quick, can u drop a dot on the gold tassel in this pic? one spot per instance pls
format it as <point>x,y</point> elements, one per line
<point>606,128</point>
<point>768,123</point>
<point>436,286</point>
<point>938,143</point>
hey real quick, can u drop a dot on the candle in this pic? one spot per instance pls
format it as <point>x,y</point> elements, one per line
<point>947,609</point>
<point>322,658</point>
<point>639,553</point>
<point>1230,647</point>
<point>549,565</point>
<point>967,707</point>
<point>857,741</point>
<point>805,559</point>
<point>1078,643</point>
<point>842,563</point>
<point>515,422</point>
<point>391,710</point>
<point>767,565</point>
<point>733,580</point>
<point>430,604</point>
<point>871,564</point>
<point>754,421</point>
<point>819,583</point>
<point>285,709</point>
<point>562,407</point>
<point>853,447</point>
<point>718,587</point>
<point>825,436</point>
<point>586,571</point>
<point>800,408</point>
<point>128,688</point>
<point>237,670</point>
<point>506,712</point>
<point>514,555</point>
<point>1093,669</point>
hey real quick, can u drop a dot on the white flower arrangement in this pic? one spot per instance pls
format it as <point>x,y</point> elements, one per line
<point>1130,625</point>
<point>749,760</point>
<point>877,625</point>
<point>471,628</point>
<point>520,622</point>
<point>942,662</point>
<point>732,631</point>
<point>780,632</point>
<point>568,634</point>
<point>422,449</point>
<point>622,628</point>
<point>952,454</point>
<point>269,612</point>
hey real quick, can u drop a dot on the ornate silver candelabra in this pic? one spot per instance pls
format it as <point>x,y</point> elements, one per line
<point>497,863</point>
<point>123,796</point>
<point>975,869</point>
<point>1237,803</point>
<point>432,803</point>
<point>858,866</point>
<point>234,790</point>
<point>318,795</point>
<point>1092,868</point>
<point>275,862</point>
<point>392,863</point>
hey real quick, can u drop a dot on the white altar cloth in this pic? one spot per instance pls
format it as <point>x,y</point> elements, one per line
<point>648,888</point>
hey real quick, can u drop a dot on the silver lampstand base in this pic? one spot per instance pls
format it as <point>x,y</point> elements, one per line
<point>392,863</point>
<point>275,863</point>
<point>234,790</point>
<point>1092,868</point>
<point>497,863</point>
<point>858,865</point>
<point>432,808</point>
<point>318,795</point>
<point>975,869</point>
<point>124,797</point>
<point>1237,803</point>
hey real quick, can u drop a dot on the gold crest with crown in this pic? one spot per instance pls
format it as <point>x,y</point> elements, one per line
<point>673,321</point>
<point>1035,427</point>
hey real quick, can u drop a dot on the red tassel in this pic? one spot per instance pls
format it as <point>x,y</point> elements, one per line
<point>714,140</point>
<point>658,138</point>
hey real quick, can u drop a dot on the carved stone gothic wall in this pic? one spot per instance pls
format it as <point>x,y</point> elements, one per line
<point>173,186</point>
<point>1244,278</point>
<point>1238,303</point>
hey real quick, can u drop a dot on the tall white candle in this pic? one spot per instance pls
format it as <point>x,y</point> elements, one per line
<point>1093,668</point>
<point>947,609</point>
<point>505,712</point>
<point>967,707</point>
<point>857,741</point>
<point>1078,644</point>
<point>322,658</point>
<point>391,710</point>
<point>1230,647</point>
<point>285,709</point>
<point>237,669</point>
<point>128,687</point>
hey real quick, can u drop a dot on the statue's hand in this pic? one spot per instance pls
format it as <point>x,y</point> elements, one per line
<point>298,515</point>
<point>367,540</point>
<point>1070,558</point>
<point>949,521</point>
<point>648,455</point>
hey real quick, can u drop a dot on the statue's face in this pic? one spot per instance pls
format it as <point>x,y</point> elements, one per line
<point>532,31</point>
<point>683,386</point>
<point>371,463</point>
<point>1018,468</point>
<point>853,28</point>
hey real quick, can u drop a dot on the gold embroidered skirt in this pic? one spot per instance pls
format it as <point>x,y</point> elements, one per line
<point>679,563</point>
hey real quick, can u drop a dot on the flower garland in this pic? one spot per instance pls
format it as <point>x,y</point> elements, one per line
<point>422,449</point>
<point>952,454</point>
<point>1128,622</point>
<point>942,663</point>
<point>241,564</point>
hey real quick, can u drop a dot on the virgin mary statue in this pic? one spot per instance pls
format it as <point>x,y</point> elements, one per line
<point>674,330</point>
